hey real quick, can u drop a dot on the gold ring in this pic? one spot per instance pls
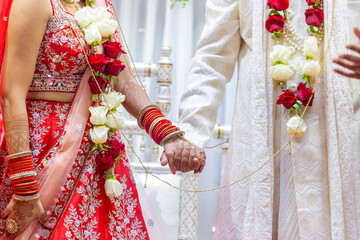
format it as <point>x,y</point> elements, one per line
<point>12,226</point>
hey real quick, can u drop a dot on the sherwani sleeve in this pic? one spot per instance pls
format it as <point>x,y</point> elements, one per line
<point>211,68</point>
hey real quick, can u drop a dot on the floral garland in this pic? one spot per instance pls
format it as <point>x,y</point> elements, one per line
<point>98,28</point>
<point>297,96</point>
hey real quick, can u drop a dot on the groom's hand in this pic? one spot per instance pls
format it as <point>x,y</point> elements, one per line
<point>181,156</point>
<point>351,63</point>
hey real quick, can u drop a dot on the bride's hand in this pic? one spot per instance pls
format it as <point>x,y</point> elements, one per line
<point>24,213</point>
<point>181,156</point>
<point>350,62</point>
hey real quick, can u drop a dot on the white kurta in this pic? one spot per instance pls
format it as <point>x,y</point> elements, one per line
<point>313,193</point>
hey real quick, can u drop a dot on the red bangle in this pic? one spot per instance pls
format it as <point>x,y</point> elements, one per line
<point>23,186</point>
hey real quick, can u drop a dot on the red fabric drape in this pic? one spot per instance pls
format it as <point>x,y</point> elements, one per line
<point>5,6</point>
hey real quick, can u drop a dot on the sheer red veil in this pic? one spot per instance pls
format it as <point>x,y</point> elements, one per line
<point>4,16</point>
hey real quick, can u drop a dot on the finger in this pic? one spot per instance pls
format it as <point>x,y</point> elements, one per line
<point>185,157</point>
<point>350,74</point>
<point>203,163</point>
<point>191,163</point>
<point>347,64</point>
<point>43,219</point>
<point>178,153</point>
<point>357,31</point>
<point>354,47</point>
<point>350,57</point>
<point>170,157</point>
<point>164,161</point>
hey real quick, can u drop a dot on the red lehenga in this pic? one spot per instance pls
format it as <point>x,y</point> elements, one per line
<point>80,209</point>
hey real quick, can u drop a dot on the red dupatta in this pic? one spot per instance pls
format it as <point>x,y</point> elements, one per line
<point>5,6</point>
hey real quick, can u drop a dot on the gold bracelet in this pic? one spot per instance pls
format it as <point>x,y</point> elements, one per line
<point>26,198</point>
<point>154,123</point>
<point>18,155</point>
<point>140,115</point>
<point>22,175</point>
<point>171,135</point>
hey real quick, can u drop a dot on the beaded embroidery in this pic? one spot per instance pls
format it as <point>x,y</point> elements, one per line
<point>61,62</point>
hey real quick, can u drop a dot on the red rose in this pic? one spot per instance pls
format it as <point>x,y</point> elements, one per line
<point>114,67</point>
<point>314,17</point>
<point>275,23</point>
<point>312,2</point>
<point>287,99</point>
<point>113,49</point>
<point>304,94</point>
<point>116,148</point>
<point>278,5</point>
<point>98,62</point>
<point>106,160</point>
<point>94,87</point>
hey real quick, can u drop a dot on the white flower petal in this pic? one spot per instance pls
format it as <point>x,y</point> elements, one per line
<point>296,126</point>
<point>99,135</point>
<point>113,188</point>
<point>281,53</point>
<point>310,68</point>
<point>115,120</point>
<point>98,115</point>
<point>282,72</point>
<point>311,48</point>
<point>84,16</point>
<point>92,34</point>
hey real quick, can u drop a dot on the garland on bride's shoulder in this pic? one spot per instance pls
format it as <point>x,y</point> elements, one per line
<point>98,28</point>
<point>297,96</point>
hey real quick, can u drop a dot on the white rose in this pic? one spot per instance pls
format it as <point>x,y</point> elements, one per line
<point>84,16</point>
<point>310,68</point>
<point>92,34</point>
<point>98,115</point>
<point>99,134</point>
<point>281,53</point>
<point>101,13</point>
<point>113,188</point>
<point>311,48</point>
<point>113,99</point>
<point>107,27</point>
<point>282,72</point>
<point>296,126</point>
<point>115,120</point>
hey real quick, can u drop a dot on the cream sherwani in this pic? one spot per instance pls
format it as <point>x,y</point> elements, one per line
<point>313,193</point>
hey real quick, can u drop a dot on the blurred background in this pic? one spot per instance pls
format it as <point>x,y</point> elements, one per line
<point>162,36</point>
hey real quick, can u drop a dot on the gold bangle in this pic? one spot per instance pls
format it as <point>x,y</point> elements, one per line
<point>22,175</point>
<point>140,115</point>
<point>18,155</point>
<point>171,135</point>
<point>26,198</point>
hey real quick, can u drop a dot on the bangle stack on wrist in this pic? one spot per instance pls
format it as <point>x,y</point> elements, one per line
<point>22,176</point>
<point>156,125</point>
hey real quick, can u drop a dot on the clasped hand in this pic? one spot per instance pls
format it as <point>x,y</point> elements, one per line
<point>24,213</point>
<point>350,62</point>
<point>182,156</point>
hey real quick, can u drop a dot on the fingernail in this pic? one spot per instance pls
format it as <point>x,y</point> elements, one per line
<point>173,172</point>
<point>192,150</point>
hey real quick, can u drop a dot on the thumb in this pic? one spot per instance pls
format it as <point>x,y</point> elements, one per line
<point>7,211</point>
<point>163,159</point>
<point>357,31</point>
<point>44,220</point>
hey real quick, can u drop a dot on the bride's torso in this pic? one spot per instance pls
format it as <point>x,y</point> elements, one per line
<point>61,59</point>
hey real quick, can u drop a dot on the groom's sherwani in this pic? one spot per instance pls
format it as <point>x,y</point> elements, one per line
<point>313,193</point>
